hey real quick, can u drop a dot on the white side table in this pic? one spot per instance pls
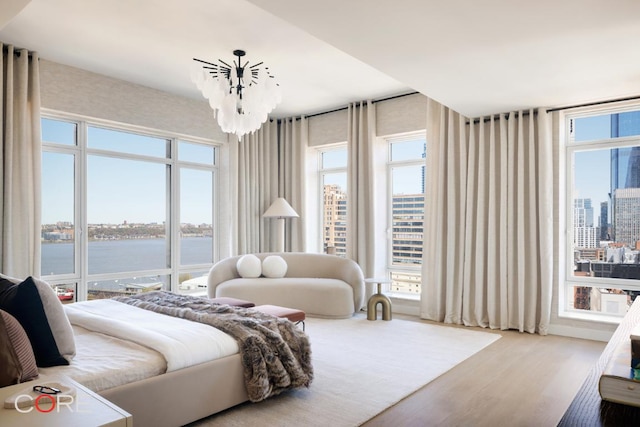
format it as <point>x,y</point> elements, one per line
<point>86,409</point>
<point>378,298</point>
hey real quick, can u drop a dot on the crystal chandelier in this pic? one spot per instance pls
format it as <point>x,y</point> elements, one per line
<point>241,95</point>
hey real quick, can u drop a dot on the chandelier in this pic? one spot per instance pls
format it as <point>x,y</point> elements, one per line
<point>241,95</point>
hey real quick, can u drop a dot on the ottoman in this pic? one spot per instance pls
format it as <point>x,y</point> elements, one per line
<point>293,314</point>
<point>232,301</point>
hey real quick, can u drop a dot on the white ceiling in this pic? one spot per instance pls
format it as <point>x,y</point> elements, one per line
<point>478,57</point>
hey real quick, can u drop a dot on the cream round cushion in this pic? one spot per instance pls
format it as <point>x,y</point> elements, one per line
<point>249,266</point>
<point>274,266</point>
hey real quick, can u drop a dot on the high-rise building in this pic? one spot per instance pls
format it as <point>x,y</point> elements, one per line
<point>627,215</point>
<point>582,213</point>
<point>334,221</point>
<point>625,162</point>
<point>408,226</point>
<point>604,221</point>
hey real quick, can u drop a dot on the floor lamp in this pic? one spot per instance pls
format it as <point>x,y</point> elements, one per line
<point>280,209</point>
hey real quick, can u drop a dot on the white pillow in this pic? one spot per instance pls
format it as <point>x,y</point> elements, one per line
<point>274,266</point>
<point>249,266</point>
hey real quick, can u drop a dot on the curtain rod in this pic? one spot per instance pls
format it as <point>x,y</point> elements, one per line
<point>590,104</point>
<point>373,102</point>
<point>497,116</point>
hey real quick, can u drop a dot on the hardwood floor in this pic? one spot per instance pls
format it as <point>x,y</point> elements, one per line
<point>520,380</point>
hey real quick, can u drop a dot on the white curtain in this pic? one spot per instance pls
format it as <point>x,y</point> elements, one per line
<point>488,223</point>
<point>256,187</point>
<point>293,139</point>
<point>360,200</point>
<point>20,163</point>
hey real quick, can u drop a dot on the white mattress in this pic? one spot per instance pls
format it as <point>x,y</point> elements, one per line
<point>103,362</point>
<point>117,344</point>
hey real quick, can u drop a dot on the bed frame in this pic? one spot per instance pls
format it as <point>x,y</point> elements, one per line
<point>183,396</point>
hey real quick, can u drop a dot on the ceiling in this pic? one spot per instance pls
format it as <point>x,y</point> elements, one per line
<point>475,57</point>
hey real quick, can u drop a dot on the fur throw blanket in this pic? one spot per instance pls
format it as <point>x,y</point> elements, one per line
<point>276,355</point>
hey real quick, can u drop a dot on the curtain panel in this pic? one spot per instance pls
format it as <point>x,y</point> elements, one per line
<point>360,183</point>
<point>268,164</point>
<point>488,224</point>
<point>256,187</point>
<point>20,163</point>
<point>293,136</point>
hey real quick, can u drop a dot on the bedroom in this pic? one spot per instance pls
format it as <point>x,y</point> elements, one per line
<point>72,90</point>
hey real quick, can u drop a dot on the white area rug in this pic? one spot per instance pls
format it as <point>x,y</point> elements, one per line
<point>361,367</point>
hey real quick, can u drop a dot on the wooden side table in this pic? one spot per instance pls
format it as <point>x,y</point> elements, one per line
<point>378,298</point>
<point>86,409</point>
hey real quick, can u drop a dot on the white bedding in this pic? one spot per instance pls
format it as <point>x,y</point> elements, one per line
<point>103,362</point>
<point>181,342</point>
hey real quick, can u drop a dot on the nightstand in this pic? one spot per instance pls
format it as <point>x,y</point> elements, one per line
<point>87,408</point>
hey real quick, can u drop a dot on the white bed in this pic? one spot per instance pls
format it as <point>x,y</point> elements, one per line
<point>165,371</point>
<point>142,354</point>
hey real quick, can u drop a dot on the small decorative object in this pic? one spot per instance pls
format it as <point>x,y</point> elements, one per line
<point>241,95</point>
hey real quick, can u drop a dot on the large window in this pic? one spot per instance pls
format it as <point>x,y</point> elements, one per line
<point>603,212</point>
<point>333,181</point>
<point>406,177</point>
<point>124,211</point>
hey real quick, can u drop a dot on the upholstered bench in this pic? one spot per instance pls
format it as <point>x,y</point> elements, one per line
<point>293,314</point>
<point>236,302</point>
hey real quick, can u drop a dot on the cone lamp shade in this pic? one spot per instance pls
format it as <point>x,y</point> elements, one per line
<point>280,209</point>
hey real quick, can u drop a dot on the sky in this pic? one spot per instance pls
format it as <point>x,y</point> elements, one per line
<point>592,167</point>
<point>406,179</point>
<point>119,189</point>
<point>135,191</point>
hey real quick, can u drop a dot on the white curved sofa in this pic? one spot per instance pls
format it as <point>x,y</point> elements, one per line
<point>320,285</point>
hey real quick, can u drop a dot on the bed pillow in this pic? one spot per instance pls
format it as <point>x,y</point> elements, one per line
<point>249,266</point>
<point>23,301</point>
<point>274,266</point>
<point>17,362</point>
<point>56,316</point>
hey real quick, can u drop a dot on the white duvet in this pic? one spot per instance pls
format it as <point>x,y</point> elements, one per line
<point>181,342</point>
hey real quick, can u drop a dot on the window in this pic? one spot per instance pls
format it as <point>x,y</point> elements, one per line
<point>333,182</point>
<point>406,177</point>
<point>603,212</point>
<point>124,211</point>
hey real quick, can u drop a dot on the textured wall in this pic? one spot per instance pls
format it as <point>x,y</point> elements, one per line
<point>77,91</point>
<point>394,116</point>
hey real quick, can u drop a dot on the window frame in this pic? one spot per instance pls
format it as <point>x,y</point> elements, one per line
<point>414,269</point>
<point>81,277</point>
<point>567,195</point>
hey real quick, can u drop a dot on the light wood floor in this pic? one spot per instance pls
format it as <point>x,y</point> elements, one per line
<point>520,380</point>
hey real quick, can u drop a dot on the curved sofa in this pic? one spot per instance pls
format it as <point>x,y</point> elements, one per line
<point>321,285</point>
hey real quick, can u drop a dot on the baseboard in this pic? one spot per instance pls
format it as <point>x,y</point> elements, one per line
<point>412,308</point>
<point>405,306</point>
<point>583,333</point>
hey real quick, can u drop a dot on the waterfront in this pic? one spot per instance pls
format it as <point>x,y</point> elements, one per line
<point>112,256</point>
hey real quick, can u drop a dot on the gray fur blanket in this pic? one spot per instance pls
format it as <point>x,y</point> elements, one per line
<point>276,355</point>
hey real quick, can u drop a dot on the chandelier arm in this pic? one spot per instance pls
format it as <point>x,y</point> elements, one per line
<point>230,66</point>
<point>205,62</point>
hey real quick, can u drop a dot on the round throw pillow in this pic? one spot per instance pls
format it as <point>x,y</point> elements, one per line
<point>249,266</point>
<point>274,266</point>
